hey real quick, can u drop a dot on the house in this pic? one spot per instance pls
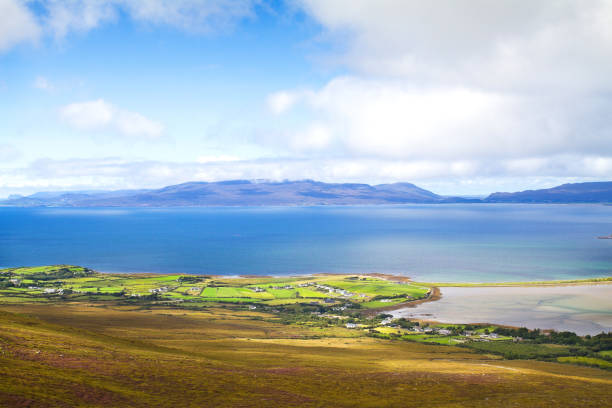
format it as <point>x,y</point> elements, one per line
<point>54,291</point>
<point>351,326</point>
<point>252,307</point>
<point>444,332</point>
<point>159,290</point>
<point>386,321</point>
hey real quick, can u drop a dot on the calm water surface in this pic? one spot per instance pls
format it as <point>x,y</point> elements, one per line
<point>426,242</point>
<point>581,309</point>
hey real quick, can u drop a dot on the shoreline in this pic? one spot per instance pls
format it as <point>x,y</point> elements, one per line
<point>580,308</point>
<point>433,296</point>
<point>399,278</point>
<point>569,282</point>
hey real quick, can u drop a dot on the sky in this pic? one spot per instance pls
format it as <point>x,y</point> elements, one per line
<point>457,96</point>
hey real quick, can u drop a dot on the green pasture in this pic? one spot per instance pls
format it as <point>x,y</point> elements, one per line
<point>378,287</point>
<point>588,361</point>
<point>369,291</point>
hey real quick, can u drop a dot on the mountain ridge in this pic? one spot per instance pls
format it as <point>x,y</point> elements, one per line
<point>300,192</point>
<point>238,193</point>
<point>588,192</point>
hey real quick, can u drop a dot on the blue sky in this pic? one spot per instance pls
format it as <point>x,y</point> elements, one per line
<point>464,97</point>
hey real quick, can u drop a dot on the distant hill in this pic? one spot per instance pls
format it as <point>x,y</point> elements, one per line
<point>596,192</point>
<point>304,192</point>
<point>239,193</point>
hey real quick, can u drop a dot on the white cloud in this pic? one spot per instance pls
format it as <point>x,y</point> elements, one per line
<point>16,24</point>
<point>77,15</point>
<point>135,124</point>
<point>90,115</point>
<point>317,136</point>
<point>397,119</point>
<point>19,23</point>
<point>192,15</point>
<point>99,115</point>
<point>43,84</point>
<point>478,84</point>
<point>500,44</point>
<point>280,102</point>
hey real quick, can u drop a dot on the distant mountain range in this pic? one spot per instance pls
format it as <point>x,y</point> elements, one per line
<point>597,192</point>
<point>305,192</point>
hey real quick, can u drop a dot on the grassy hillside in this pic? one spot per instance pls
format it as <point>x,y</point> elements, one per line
<point>110,355</point>
<point>71,337</point>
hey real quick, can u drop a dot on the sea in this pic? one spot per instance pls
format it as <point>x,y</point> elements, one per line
<point>431,243</point>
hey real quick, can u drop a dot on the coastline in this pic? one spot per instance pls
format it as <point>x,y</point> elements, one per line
<point>434,295</point>
<point>569,282</point>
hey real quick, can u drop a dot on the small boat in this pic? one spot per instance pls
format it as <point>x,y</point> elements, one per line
<point>606,237</point>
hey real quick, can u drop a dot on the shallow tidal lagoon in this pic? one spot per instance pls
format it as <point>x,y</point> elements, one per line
<point>583,309</point>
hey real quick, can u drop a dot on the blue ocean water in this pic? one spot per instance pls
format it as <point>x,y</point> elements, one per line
<point>440,243</point>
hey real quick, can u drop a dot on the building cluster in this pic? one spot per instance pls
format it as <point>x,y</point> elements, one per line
<point>286,287</point>
<point>163,289</point>
<point>329,289</point>
<point>54,291</point>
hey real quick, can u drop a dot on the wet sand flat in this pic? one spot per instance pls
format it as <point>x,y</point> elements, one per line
<point>583,309</point>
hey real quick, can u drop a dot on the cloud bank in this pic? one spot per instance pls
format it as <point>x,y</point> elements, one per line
<point>442,176</point>
<point>469,82</point>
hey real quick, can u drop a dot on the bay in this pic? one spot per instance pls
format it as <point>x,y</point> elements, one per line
<point>434,243</point>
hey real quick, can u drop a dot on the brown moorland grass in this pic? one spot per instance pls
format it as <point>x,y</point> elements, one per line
<point>94,355</point>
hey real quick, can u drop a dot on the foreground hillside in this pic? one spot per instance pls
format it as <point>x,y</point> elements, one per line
<point>109,355</point>
<point>70,337</point>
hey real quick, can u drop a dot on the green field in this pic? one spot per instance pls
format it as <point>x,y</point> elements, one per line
<point>40,284</point>
<point>588,361</point>
<point>379,287</point>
